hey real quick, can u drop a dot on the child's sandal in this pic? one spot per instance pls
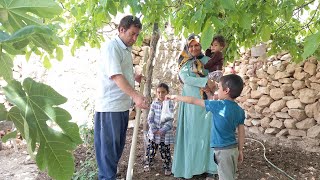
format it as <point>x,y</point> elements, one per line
<point>167,172</point>
<point>146,168</point>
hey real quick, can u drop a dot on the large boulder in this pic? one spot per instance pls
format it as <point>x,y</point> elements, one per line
<point>277,105</point>
<point>276,93</point>
<point>310,68</point>
<point>294,104</point>
<point>307,96</point>
<point>298,114</point>
<point>314,132</point>
<point>306,124</point>
<point>265,101</point>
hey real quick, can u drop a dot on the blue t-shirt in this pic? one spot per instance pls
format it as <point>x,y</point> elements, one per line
<point>227,116</point>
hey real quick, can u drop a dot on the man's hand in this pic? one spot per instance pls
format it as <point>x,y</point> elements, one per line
<point>141,101</point>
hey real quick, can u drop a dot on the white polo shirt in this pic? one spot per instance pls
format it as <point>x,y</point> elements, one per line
<point>115,59</point>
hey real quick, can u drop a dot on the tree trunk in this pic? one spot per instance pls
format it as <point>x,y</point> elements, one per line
<point>149,70</point>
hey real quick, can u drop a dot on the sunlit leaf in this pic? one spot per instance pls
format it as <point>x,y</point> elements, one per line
<point>19,12</point>
<point>9,136</point>
<point>3,14</point>
<point>41,36</point>
<point>265,33</point>
<point>245,20</point>
<point>207,35</point>
<point>135,7</point>
<point>311,44</point>
<point>188,4</point>
<point>228,4</point>
<point>59,53</point>
<point>112,8</point>
<point>28,54</point>
<point>21,44</point>
<point>3,113</point>
<point>15,116</point>
<point>6,66</point>
<point>46,62</point>
<point>216,22</point>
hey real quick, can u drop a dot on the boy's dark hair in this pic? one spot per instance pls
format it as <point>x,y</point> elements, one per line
<point>127,21</point>
<point>220,40</point>
<point>163,85</point>
<point>234,83</point>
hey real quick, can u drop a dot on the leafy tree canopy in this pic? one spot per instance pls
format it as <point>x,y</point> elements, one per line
<point>292,25</point>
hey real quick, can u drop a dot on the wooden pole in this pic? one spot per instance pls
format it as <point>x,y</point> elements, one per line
<point>133,145</point>
<point>132,155</point>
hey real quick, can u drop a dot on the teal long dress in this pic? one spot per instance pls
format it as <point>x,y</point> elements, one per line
<point>192,153</point>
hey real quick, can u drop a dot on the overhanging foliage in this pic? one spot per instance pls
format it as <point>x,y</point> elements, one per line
<point>285,25</point>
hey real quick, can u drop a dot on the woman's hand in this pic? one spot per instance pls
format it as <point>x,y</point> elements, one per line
<point>208,92</point>
<point>211,85</point>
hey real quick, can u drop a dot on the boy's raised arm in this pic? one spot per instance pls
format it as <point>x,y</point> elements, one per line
<point>187,99</point>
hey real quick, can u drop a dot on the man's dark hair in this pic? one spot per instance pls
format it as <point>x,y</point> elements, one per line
<point>127,21</point>
<point>234,83</point>
<point>163,85</point>
<point>220,40</point>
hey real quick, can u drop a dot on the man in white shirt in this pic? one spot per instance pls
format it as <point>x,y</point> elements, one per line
<point>114,97</point>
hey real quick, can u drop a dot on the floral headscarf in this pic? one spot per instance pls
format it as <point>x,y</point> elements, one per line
<point>185,56</point>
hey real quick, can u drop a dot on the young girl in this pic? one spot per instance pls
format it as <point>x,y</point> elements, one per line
<point>160,132</point>
<point>214,65</point>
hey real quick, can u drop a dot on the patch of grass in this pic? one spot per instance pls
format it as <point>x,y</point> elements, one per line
<point>87,169</point>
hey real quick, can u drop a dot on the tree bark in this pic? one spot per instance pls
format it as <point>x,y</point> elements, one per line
<point>149,71</point>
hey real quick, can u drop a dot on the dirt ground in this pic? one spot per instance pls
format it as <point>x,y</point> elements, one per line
<point>16,165</point>
<point>296,163</point>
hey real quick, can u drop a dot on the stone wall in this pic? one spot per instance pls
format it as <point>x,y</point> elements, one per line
<point>165,63</point>
<point>281,98</point>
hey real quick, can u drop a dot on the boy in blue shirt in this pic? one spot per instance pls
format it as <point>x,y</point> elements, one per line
<point>227,117</point>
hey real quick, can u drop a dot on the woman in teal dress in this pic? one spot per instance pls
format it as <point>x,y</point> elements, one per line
<point>192,152</point>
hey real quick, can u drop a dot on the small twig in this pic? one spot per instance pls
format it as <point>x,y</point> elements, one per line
<point>298,9</point>
<point>304,5</point>
<point>307,25</point>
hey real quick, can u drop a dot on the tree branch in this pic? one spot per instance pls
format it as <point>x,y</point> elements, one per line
<point>311,19</point>
<point>303,5</point>
<point>298,9</point>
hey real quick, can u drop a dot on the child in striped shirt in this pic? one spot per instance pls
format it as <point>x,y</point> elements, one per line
<point>160,132</point>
